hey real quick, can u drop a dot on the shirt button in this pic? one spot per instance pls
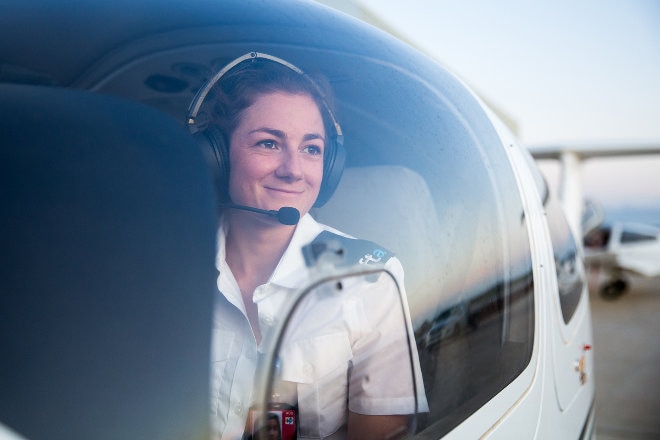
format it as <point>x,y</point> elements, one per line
<point>238,409</point>
<point>268,319</point>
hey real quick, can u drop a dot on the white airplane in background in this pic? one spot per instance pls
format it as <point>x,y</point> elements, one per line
<point>110,218</point>
<point>620,250</point>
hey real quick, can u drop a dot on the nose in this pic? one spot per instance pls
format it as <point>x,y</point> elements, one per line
<point>290,166</point>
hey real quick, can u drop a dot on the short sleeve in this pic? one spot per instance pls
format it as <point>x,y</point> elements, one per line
<point>385,371</point>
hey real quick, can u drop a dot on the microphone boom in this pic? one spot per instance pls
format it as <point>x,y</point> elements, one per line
<point>286,215</point>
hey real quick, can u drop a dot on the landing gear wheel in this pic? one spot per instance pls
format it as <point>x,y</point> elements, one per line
<point>613,290</point>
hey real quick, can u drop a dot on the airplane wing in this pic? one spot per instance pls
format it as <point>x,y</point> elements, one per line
<point>571,155</point>
<point>644,264</point>
<point>644,261</point>
<point>600,258</point>
<point>592,150</point>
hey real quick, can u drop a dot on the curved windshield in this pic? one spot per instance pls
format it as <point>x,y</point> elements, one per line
<point>426,177</point>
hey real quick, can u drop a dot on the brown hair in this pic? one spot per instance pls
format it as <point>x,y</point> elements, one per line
<point>239,88</point>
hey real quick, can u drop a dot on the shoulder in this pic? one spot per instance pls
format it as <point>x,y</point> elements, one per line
<point>349,250</point>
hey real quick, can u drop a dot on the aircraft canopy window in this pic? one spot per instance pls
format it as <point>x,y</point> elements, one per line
<point>427,178</point>
<point>636,237</point>
<point>570,269</point>
<point>598,238</point>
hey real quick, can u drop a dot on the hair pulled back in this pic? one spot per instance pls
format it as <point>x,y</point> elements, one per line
<point>239,88</point>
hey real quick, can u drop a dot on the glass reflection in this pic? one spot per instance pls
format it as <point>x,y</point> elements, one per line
<point>571,275</point>
<point>343,361</point>
<point>465,357</point>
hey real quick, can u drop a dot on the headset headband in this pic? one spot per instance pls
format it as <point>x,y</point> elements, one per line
<point>197,102</point>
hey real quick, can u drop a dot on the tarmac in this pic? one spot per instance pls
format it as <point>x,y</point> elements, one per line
<point>627,363</point>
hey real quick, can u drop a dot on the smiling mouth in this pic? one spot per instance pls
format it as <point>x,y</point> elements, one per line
<point>285,191</point>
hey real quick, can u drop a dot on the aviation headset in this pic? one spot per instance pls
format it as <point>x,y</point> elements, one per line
<point>214,142</point>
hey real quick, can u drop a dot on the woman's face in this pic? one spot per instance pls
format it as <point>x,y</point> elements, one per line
<point>276,153</point>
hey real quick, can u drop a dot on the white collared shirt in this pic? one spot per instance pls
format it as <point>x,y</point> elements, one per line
<point>329,354</point>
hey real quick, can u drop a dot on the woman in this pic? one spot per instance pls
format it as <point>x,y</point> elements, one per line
<point>280,143</point>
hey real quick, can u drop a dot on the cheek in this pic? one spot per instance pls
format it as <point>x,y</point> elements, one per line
<point>234,185</point>
<point>316,174</point>
<point>242,171</point>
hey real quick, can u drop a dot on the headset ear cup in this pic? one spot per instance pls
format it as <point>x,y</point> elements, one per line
<point>212,143</point>
<point>333,169</point>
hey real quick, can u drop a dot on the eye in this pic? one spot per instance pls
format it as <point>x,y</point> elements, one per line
<point>268,144</point>
<point>313,150</point>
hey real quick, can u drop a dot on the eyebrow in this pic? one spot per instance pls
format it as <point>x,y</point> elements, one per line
<point>280,134</point>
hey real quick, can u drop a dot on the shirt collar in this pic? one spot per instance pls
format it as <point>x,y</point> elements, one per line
<point>291,270</point>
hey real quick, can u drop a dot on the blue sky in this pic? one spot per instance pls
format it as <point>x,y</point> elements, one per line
<point>575,71</point>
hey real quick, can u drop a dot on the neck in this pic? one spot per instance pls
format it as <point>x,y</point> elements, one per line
<point>254,246</point>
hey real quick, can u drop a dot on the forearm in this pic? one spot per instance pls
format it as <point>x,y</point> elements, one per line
<point>370,427</point>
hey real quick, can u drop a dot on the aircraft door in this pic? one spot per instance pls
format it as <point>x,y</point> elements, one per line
<point>343,345</point>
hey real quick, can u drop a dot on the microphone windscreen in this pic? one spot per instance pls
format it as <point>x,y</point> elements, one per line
<point>288,215</point>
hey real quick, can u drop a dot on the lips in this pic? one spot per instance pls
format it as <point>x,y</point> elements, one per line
<point>285,191</point>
